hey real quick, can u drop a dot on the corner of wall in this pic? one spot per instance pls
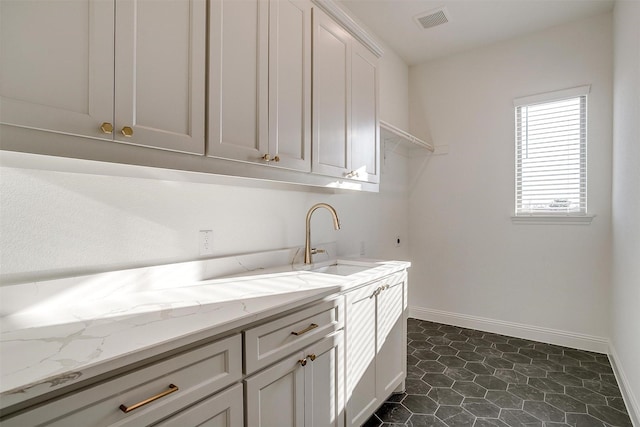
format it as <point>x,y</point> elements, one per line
<point>630,400</point>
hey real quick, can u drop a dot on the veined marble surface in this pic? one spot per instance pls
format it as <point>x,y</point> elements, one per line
<point>57,333</point>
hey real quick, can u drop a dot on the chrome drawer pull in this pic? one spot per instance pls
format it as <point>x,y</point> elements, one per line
<point>305,330</point>
<point>127,409</point>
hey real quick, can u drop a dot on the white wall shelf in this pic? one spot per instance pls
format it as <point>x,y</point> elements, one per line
<point>390,133</point>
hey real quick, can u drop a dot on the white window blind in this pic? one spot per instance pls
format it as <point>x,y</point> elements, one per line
<point>551,153</point>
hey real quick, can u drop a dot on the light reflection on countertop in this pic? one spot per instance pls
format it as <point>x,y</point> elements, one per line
<point>55,334</point>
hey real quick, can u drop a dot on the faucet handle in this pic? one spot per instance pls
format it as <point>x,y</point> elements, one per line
<point>317,251</point>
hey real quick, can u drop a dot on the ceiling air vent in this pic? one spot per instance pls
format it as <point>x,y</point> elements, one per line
<point>432,18</point>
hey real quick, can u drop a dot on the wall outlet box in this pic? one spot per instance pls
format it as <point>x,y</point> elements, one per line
<point>206,242</point>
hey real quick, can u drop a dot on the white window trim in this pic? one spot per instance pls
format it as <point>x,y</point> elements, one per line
<point>549,218</point>
<point>573,219</point>
<point>552,96</point>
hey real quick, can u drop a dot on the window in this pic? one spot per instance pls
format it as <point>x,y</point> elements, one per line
<point>551,153</point>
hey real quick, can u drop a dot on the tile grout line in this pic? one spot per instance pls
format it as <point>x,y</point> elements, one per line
<point>582,389</point>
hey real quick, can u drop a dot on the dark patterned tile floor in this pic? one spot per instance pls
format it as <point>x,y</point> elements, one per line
<point>460,377</point>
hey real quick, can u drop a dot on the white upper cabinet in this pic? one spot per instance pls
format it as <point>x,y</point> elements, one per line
<point>160,73</point>
<point>238,79</point>
<point>275,83</point>
<point>331,96</point>
<point>56,65</point>
<point>345,104</point>
<point>365,137</point>
<point>260,82</point>
<point>124,70</point>
<point>290,83</point>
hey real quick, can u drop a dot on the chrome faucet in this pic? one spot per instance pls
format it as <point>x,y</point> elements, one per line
<point>307,243</point>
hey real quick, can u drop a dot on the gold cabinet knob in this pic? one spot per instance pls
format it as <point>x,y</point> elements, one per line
<point>268,158</point>
<point>302,362</point>
<point>106,127</point>
<point>312,357</point>
<point>127,131</point>
<point>352,174</point>
<point>276,159</point>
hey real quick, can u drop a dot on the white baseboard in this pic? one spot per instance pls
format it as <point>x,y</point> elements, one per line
<point>633,405</point>
<point>518,330</point>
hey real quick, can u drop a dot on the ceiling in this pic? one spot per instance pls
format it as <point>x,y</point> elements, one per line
<point>472,23</point>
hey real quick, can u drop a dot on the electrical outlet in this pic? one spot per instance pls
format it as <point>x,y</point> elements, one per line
<point>397,241</point>
<point>362,249</point>
<point>206,242</point>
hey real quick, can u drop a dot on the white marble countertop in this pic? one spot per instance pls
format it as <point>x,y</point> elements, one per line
<point>57,334</point>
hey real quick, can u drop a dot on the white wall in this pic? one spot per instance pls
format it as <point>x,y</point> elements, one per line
<point>55,224</point>
<point>394,89</point>
<point>625,319</point>
<point>469,259</point>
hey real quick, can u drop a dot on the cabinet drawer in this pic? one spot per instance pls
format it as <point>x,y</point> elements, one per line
<point>373,289</point>
<point>270,342</point>
<point>177,382</point>
<point>223,409</point>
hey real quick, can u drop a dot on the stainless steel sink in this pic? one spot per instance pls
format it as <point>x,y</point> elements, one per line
<point>341,269</point>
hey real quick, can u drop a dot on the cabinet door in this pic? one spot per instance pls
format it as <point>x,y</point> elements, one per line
<point>275,396</point>
<point>56,65</point>
<point>390,340</point>
<point>361,355</point>
<point>160,73</point>
<point>331,96</point>
<point>238,79</point>
<point>324,383</point>
<point>221,410</point>
<point>365,158</point>
<point>290,83</point>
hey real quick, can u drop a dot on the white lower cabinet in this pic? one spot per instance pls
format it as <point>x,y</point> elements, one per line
<point>390,337</point>
<point>147,395</point>
<point>305,389</point>
<point>329,364</point>
<point>324,383</point>
<point>375,345</point>
<point>225,409</point>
